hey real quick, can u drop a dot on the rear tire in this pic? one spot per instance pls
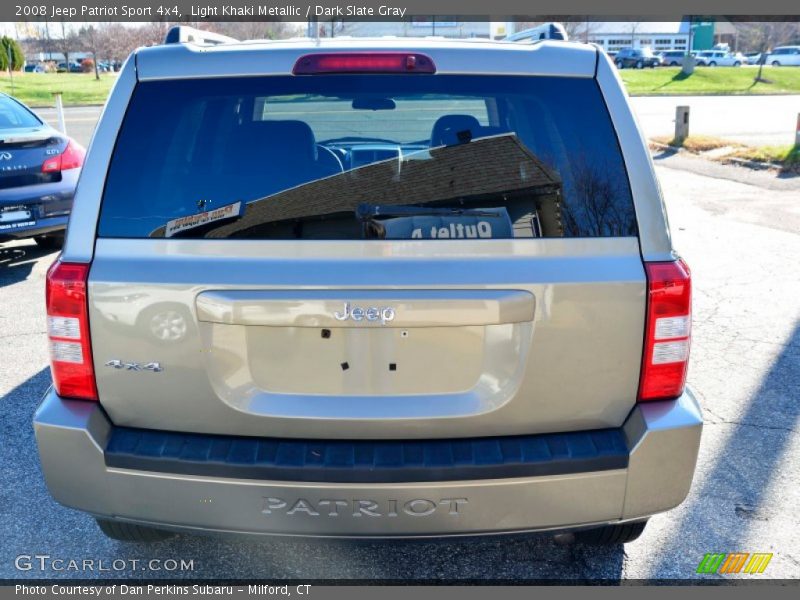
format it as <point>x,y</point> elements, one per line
<point>737,64</point>
<point>52,241</point>
<point>712,64</point>
<point>775,63</point>
<point>129,532</point>
<point>619,64</point>
<point>639,65</point>
<point>612,534</point>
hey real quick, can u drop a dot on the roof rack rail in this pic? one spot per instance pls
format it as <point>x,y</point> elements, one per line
<point>181,34</point>
<point>546,31</point>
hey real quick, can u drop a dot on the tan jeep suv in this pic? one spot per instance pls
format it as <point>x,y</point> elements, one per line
<point>368,288</point>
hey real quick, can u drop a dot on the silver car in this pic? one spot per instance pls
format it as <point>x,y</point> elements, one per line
<point>369,288</point>
<point>720,58</point>
<point>785,56</point>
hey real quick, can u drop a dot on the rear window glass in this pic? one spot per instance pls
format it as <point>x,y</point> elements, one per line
<point>13,115</point>
<point>367,157</point>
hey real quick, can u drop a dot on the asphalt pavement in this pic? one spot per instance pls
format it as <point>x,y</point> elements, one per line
<point>752,120</point>
<point>80,121</point>
<point>738,234</point>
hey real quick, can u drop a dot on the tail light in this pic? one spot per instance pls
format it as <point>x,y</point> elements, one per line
<point>70,158</point>
<point>363,62</point>
<point>68,331</point>
<point>668,330</point>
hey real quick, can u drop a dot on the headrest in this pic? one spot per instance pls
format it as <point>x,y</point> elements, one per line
<point>445,130</point>
<point>288,140</point>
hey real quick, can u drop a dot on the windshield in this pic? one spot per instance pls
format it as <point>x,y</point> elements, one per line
<point>15,116</point>
<point>367,157</point>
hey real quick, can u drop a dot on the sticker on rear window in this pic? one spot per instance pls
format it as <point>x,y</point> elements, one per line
<point>497,225</point>
<point>229,211</point>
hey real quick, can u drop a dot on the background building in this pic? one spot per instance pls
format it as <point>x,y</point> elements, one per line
<point>611,35</point>
<point>441,26</point>
<point>660,36</point>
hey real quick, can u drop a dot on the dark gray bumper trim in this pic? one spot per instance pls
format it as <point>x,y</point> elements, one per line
<point>384,461</point>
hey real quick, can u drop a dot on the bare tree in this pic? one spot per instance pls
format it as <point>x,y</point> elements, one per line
<point>89,38</point>
<point>31,45</point>
<point>48,41</point>
<point>39,41</point>
<point>754,35</point>
<point>67,43</point>
<point>764,36</point>
<point>633,26</point>
<point>254,30</point>
<point>114,41</point>
<point>150,34</point>
<point>580,29</point>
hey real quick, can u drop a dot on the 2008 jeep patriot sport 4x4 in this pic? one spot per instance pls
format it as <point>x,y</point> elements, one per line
<point>369,288</point>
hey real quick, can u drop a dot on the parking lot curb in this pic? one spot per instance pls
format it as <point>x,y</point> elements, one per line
<point>742,162</point>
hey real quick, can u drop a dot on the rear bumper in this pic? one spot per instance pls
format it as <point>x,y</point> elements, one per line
<point>28,229</point>
<point>661,440</point>
<point>49,205</point>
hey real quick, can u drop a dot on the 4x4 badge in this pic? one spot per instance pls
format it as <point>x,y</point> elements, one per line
<point>132,366</point>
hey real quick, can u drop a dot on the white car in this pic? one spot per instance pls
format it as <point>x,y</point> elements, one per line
<point>784,56</point>
<point>720,58</point>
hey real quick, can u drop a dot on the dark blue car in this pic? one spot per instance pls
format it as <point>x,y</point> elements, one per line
<point>39,169</point>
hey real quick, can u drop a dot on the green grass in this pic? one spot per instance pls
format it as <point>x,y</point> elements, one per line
<point>785,158</point>
<point>711,80</point>
<point>788,157</point>
<point>36,89</point>
<point>697,143</point>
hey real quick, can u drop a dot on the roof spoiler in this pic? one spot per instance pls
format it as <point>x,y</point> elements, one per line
<point>181,34</point>
<point>546,31</point>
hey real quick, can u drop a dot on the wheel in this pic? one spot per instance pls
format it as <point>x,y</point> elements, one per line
<point>775,63</point>
<point>612,534</point>
<point>712,64</point>
<point>619,64</point>
<point>737,64</point>
<point>128,532</point>
<point>673,64</point>
<point>51,241</point>
<point>639,64</point>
